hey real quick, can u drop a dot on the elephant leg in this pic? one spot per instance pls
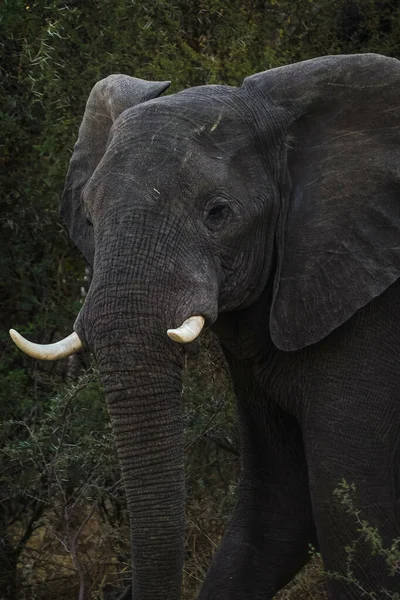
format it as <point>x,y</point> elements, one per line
<point>351,431</point>
<point>354,480</point>
<point>268,538</point>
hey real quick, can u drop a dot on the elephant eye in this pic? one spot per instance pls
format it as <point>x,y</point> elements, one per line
<point>217,215</point>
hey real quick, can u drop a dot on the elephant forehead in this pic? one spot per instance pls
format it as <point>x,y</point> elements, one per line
<point>160,171</point>
<point>152,173</point>
<point>184,119</point>
<point>170,148</point>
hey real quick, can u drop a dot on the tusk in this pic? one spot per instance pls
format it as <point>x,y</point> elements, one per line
<point>188,331</point>
<point>61,349</point>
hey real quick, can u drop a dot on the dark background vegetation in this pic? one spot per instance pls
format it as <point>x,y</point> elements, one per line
<point>63,529</point>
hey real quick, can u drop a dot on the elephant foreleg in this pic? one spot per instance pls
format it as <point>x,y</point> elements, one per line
<point>354,478</point>
<point>351,431</point>
<point>267,541</point>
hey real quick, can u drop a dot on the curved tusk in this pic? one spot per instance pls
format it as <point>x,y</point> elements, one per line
<point>61,349</point>
<point>188,331</point>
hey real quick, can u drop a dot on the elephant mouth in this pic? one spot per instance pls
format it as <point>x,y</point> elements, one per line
<point>187,332</point>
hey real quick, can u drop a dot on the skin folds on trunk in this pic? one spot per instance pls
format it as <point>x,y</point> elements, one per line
<point>143,390</point>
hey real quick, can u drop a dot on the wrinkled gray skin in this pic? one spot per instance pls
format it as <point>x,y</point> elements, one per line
<point>272,210</point>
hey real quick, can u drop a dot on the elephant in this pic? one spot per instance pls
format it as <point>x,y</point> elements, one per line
<point>269,212</point>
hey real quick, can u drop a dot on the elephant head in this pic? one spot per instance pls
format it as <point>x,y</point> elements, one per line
<point>191,205</point>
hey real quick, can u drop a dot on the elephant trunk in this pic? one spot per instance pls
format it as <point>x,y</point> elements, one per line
<point>138,292</point>
<point>143,391</point>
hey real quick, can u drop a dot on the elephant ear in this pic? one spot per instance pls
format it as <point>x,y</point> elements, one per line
<point>108,99</point>
<point>340,244</point>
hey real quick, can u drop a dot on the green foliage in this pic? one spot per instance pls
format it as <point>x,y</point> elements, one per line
<point>369,536</point>
<point>60,475</point>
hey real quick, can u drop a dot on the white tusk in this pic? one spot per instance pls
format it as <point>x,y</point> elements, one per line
<point>61,349</point>
<point>188,331</point>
